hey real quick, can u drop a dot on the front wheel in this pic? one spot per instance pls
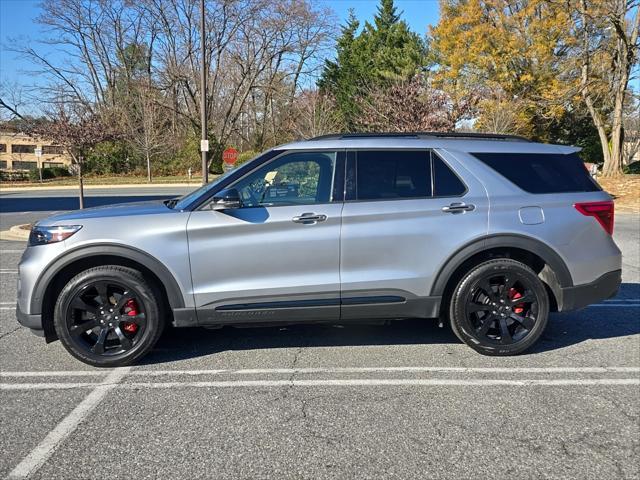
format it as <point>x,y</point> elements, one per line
<point>108,316</point>
<point>500,307</point>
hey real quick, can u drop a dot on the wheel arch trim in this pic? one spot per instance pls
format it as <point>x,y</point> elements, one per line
<point>174,293</point>
<point>545,252</point>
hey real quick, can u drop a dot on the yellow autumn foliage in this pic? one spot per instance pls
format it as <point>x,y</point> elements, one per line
<point>513,49</point>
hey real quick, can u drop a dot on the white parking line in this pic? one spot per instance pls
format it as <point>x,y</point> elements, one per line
<point>338,370</point>
<point>613,305</point>
<point>39,455</point>
<point>5,270</point>
<point>11,251</point>
<point>429,382</point>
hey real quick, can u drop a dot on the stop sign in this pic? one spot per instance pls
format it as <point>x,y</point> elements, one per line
<point>230,155</point>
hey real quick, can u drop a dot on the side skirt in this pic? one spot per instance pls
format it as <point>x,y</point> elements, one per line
<point>349,309</point>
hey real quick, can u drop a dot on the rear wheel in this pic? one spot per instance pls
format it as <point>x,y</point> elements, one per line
<point>108,316</point>
<point>500,307</point>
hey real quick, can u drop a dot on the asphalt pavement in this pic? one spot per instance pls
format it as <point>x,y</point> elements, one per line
<point>405,400</point>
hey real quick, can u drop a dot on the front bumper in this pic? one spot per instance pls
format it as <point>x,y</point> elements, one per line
<point>579,296</point>
<point>29,320</point>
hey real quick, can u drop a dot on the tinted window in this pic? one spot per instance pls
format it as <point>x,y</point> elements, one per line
<point>445,182</point>
<point>298,178</point>
<point>541,173</point>
<point>392,174</point>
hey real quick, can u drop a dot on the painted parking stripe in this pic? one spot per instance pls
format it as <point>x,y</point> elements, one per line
<point>39,455</point>
<point>76,418</point>
<point>613,305</point>
<point>329,370</point>
<point>7,270</point>
<point>11,251</point>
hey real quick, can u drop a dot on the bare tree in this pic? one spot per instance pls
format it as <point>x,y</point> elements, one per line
<point>258,52</point>
<point>607,50</point>
<point>313,114</point>
<point>77,130</point>
<point>145,123</point>
<point>500,114</point>
<point>631,125</point>
<point>411,106</point>
<point>11,101</point>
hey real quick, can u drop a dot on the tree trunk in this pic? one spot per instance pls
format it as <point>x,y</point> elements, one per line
<point>80,184</point>
<point>148,167</point>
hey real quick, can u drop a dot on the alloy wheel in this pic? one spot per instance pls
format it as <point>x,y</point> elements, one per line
<point>502,308</point>
<point>106,318</point>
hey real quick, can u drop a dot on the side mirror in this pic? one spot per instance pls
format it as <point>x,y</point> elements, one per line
<point>226,199</point>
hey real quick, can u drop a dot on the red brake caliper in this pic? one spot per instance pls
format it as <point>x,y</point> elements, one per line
<point>514,295</point>
<point>130,309</point>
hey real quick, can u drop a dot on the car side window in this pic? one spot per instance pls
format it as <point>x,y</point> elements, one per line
<point>392,174</point>
<point>300,178</point>
<point>445,182</point>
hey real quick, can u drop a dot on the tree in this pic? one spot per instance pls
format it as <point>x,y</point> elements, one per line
<point>146,124</point>
<point>510,50</point>
<point>77,129</point>
<point>411,106</point>
<point>606,50</point>
<point>384,51</point>
<point>258,54</point>
<point>313,114</point>
<point>554,59</point>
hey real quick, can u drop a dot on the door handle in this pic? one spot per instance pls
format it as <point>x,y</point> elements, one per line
<point>458,207</point>
<point>309,218</point>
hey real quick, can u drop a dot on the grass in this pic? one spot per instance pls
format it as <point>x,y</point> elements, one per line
<point>106,180</point>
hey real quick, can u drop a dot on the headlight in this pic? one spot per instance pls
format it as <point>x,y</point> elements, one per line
<point>41,235</point>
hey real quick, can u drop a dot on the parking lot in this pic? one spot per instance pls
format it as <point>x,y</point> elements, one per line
<point>404,400</point>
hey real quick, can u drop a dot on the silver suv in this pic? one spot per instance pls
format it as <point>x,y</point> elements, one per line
<point>488,233</point>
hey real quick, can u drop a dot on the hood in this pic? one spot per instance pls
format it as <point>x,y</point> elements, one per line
<point>154,207</point>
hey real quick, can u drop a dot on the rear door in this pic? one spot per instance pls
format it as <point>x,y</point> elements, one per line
<point>277,257</point>
<point>405,213</point>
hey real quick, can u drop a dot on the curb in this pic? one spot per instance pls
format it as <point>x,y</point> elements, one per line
<point>16,233</point>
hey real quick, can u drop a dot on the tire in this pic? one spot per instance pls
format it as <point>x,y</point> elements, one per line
<point>109,316</point>
<point>499,308</point>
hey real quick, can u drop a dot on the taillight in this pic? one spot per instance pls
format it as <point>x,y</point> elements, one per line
<point>601,211</point>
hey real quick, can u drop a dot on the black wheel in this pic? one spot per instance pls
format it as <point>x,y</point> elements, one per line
<point>108,316</point>
<point>500,307</point>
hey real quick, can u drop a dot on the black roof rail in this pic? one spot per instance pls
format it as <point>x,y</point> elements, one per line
<point>470,135</point>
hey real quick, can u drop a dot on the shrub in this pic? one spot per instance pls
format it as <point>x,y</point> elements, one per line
<point>633,168</point>
<point>109,158</point>
<point>48,173</point>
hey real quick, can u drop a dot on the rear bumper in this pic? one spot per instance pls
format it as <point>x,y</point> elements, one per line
<point>29,320</point>
<point>580,296</point>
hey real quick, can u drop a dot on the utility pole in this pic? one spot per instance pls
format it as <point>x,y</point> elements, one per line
<point>204,141</point>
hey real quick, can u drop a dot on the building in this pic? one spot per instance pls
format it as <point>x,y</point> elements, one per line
<point>18,152</point>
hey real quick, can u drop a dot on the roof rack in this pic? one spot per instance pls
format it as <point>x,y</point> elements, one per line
<point>471,135</point>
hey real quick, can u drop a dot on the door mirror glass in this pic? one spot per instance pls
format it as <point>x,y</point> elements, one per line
<point>226,199</point>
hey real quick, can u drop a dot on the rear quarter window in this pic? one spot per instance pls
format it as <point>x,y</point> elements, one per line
<point>541,173</point>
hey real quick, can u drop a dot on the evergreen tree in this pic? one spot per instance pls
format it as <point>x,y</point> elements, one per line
<point>383,51</point>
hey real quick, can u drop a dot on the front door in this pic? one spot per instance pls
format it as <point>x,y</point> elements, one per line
<point>277,257</point>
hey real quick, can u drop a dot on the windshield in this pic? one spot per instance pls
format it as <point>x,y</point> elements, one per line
<point>184,201</point>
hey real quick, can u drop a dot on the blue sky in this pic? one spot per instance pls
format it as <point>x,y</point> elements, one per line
<point>17,21</point>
